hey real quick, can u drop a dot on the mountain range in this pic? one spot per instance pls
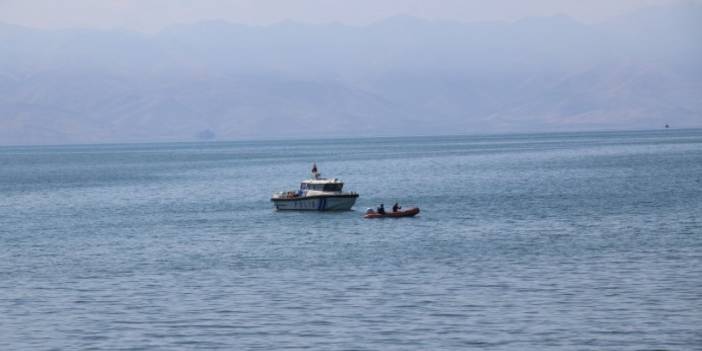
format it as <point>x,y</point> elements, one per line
<point>398,76</point>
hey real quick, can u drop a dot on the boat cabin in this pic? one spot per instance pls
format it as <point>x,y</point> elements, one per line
<point>326,185</point>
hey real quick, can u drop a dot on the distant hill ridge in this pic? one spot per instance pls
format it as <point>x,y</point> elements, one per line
<point>400,76</point>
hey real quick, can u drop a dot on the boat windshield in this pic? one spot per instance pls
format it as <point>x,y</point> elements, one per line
<point>322,187</point>
<point>333,187</point>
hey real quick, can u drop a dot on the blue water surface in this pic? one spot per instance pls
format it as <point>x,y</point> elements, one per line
<point>588,241</point>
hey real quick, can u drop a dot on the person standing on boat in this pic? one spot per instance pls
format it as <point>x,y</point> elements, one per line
<point>315,173</point>
<point>396,207</point>
<point>381,209</point>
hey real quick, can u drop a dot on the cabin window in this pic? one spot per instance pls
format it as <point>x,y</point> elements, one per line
<point>332,187</point>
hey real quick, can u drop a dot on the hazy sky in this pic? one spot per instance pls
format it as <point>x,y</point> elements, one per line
<point>152,15</point>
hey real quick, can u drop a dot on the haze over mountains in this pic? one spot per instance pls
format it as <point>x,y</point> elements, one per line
<point>399,76</point>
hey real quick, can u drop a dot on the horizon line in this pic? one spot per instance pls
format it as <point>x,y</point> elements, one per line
<point>341,138</point>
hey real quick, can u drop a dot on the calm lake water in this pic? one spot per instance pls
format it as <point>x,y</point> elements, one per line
<point>589,241</point>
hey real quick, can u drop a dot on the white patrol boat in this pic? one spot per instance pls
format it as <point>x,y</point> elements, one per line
<point>318,194</point>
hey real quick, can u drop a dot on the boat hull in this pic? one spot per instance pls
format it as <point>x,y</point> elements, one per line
<point>316,203</point>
